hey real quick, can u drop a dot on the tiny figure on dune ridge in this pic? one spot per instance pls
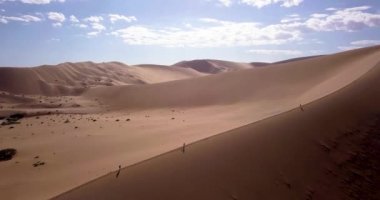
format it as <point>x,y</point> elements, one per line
<point>301,107</point>
<point>183,147</point>
<point>118,172</point>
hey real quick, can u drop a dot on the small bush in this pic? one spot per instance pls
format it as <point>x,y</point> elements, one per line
<point>7,154</point>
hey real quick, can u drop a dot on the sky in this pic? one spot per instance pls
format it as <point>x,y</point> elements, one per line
<point>38,32</point>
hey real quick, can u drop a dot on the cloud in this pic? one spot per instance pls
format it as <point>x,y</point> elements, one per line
<point>349,19</point>
<point>331,9</point>
<point>98,27</point>
<point>41,1</point>
<point>22,18</point>
<point>57,24</point>
<point>93,34</point>
<point>57,18</point>
<point>116,17</point>
<point>319,15</point>
<point>94,19</point>
<point>275,52</point>
<point>81,25</point>
<point>226,3</point>
<point>215,21</point>
<point>291,18</point>
<point>360,44</point>
<point>95,24</point>
<point>262,3</point>
<point>74,19</point>
<point>366,42</point>
<point>217,34</point>
<point>33,1</point>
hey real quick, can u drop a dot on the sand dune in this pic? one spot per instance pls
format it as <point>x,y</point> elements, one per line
<point>291,83</point>
<point>213,66</point>
<point>148,110</point>
<point>296,59</point>
<point>295,155</point>
<point>74,78</point>
<point>161,73</point>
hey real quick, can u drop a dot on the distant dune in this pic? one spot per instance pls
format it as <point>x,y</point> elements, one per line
<point>304,128</point>
<point>260,64</point>
<point>74,78</point>
<point>213,66</point>
<point>296,59</point>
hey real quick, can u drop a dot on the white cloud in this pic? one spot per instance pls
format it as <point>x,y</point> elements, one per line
<point>349,19</point>
<point>41,1</point>
<point>74,19</point>
<point>226,3</point>
<point>33,1</point>
<point>22,18</point>
<point>81,25</point>
<point>93,34</point>
<point>216,21</point>
<point>366,42</point>
<point>56,16</point>
<point>116,17</point>
<point>291,18</point>
<point>275,52</point>
<point>95,23</point>
<point>57,24</point>
<point>262,3</point>
<point>95,19</point>
<point>331,9</point>
<point>360,44</point>
<point>98,27</point>
<point>319,15</point>
<point>54,40</point>
<point>218,33</point>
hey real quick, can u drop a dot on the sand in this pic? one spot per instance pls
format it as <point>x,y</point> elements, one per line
<point>261,144</point>
<point>74,78</point>
<point>214,66</point>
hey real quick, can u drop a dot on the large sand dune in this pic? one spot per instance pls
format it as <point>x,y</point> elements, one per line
<point>289,156</point>
<point>74,78</point>
<point>268,143</point>
<point>290,83</point>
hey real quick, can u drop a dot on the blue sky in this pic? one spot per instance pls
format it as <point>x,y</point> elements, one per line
<point>36,32</point>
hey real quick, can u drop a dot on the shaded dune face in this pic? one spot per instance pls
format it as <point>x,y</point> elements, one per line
<point>308,153</point>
